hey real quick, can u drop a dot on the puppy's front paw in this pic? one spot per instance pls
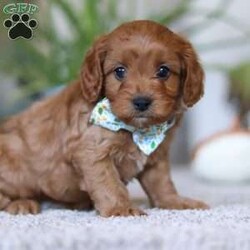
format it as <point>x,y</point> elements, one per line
<point>23,207</point>
<point>179,202</point>
<point>123,211</point>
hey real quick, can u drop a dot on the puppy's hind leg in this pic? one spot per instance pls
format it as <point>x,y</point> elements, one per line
<point>4,201</point>
<point>23,206</point>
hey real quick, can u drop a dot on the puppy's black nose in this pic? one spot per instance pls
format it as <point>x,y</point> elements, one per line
<point>141,103</point>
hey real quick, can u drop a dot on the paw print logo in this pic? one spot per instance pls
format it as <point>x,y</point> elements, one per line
<point>20,26</point>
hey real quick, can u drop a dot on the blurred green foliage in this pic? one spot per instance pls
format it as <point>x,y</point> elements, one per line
<point>240,77</point>
<point>48,59</point>
<point>240,91</point>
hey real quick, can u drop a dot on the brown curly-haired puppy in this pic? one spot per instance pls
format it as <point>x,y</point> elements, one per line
<point>52,151</point>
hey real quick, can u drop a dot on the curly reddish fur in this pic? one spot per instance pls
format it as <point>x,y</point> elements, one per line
<point>51,151</point>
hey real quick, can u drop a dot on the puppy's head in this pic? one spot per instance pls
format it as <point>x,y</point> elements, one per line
<point>146,71</point>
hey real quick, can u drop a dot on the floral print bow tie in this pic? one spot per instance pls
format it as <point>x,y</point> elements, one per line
<point>147,139</point>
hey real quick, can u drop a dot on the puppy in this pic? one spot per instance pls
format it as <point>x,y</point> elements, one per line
<point>56,150</point>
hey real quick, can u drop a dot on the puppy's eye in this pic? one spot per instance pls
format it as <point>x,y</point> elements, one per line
<point>163,72</point>
<point>120,73</point>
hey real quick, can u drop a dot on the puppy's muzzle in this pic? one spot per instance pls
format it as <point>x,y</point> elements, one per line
<point>141,103</point>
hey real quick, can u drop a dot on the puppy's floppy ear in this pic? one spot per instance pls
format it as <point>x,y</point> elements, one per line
<point>192,76</point>
<point>92,71</point>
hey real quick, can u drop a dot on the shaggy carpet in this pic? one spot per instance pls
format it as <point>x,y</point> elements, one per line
<point>225,226</point>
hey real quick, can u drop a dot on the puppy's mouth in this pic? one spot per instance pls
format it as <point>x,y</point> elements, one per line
<point>139,116</point>
<point>142,120</point>
<point>145,120</point>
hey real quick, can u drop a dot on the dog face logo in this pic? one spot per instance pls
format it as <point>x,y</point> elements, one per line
<point>20,24</point>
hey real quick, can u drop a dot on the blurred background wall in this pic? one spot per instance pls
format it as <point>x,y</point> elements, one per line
<point>219,30</point>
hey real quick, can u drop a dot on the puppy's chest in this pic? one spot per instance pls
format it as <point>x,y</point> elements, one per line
<point>128,158</point>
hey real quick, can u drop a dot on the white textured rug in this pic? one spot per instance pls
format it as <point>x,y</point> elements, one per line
<point>225,226</point>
